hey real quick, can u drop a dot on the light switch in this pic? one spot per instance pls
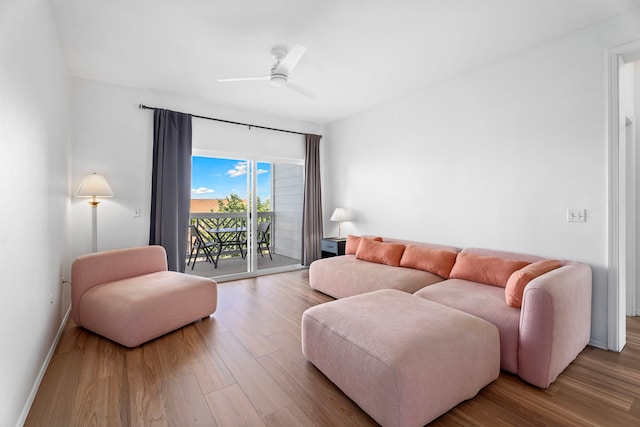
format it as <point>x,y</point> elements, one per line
<point>576,215</point>
<point>136,212</point>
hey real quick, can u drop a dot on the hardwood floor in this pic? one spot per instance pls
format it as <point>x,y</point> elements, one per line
<point>243,367</point>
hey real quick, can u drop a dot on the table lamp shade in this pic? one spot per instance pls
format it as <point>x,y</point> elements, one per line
<point>94,185</point>
<point>339,215</point>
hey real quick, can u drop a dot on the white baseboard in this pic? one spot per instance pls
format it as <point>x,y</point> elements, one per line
<point>43,369</point>
<point>598,344</point>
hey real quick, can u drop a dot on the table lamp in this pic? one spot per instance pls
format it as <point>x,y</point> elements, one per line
<point>339,215</point>
<point>93,186</point>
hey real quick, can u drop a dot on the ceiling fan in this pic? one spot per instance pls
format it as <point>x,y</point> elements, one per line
<point>279,75</point>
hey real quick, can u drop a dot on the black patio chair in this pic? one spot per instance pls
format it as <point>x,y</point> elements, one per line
<point>263,238</point>
<point>198,245</point>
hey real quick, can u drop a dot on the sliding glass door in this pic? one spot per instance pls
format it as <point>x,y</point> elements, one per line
<point>247,215</point>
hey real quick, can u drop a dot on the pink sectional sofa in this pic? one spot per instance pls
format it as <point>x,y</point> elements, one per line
<point>546,326</point>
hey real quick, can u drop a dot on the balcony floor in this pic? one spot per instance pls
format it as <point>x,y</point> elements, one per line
<point>236,264</point>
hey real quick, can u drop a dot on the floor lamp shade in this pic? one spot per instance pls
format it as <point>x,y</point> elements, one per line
<point>94,185</point>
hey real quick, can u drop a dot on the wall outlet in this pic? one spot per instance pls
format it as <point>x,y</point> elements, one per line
<point>576,215</point>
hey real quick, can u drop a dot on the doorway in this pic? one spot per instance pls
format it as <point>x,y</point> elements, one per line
<point>248,213</point>
<point>624,204</point>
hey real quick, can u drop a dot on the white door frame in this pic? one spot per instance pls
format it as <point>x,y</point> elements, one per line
<point>620,197</point>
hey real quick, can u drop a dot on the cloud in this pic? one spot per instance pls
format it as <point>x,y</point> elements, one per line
<point>239,169</point>
<point>202,190</point>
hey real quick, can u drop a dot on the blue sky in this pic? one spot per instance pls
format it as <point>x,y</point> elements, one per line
<point>215,178</point>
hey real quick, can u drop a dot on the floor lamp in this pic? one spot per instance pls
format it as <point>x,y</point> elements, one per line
<point>93,186</point>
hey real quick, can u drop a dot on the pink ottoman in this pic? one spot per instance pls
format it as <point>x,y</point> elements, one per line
<point>404,360</point>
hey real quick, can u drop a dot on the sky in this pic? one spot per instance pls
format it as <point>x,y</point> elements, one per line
<point>215,178</point>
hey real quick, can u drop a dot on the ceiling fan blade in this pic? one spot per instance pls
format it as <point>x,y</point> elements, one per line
<point>245,79</point>
<point>300,89</point>
<point>289,62</point>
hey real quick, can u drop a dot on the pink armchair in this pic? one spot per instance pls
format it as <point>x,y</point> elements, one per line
<point>128,296</point>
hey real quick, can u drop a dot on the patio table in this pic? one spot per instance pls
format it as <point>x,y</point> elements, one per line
<point>228,237</point>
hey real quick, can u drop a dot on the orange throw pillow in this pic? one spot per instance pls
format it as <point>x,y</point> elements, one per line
<point>437,261</point>
<point>382,253</point>
<point>353,242</point>
<point>485,269</point>
<point>514,290</point>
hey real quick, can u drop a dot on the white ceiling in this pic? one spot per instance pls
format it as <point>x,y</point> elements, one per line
<point>359,53</point>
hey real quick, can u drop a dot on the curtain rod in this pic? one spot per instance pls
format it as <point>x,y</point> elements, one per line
<point>144,107</point>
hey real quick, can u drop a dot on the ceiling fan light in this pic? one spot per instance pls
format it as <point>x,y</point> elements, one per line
<point>278,80</point>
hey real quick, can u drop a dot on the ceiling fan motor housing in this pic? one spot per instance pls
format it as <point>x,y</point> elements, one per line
<point>278,79</point>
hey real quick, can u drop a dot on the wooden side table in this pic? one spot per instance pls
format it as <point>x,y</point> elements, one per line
<point>332,246</point>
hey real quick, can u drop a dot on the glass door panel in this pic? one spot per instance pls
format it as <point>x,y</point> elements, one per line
<point>280,246</point>
<point>219,210</point>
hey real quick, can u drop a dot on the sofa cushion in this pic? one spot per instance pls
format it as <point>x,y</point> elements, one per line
<point>521,278</point>
<point>382,253</point>
<point>420,244</point>
<point>343,276</point>
<point>485,302</point>
<point>354,241</point>
<point>489,270</point>
<point>503,254</point>
<point>437,261</point>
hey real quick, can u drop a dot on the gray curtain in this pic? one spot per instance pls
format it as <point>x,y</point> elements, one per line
<point>171,185</point>
<point>312,206</point>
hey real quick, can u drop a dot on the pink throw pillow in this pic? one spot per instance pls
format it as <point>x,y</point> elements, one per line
<point>381,253</point>
<point>437,261</point>
<point>485,269</point>
<point>353,242</point>
<point>514,290</point>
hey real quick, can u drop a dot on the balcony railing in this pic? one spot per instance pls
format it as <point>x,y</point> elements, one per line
<point>226,221</point>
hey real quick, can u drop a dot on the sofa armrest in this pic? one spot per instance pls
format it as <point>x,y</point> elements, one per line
<point>555,322</point>
<point>103,267</point>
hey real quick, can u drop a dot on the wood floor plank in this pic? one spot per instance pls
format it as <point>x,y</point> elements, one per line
<point>91,405</point>
<point>291,416</point>
<point>144,381</point>
<point>244,366</point>
<point>57,388</point>
<point>185,404</point>
<point>246,329</point>
<point>322,402</point>
<point>528,405</point>
<point>98,359</point>
<point>211,372</point>
<point>231,407</point>
<point>261,390</point>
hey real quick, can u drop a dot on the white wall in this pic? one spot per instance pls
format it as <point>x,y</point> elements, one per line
<point>34,190</point>
<point>492,158</point>
<point>113,137</point>
<point>636,89</point>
